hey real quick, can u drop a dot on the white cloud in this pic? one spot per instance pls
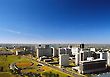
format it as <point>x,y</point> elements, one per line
<point>10,30</point>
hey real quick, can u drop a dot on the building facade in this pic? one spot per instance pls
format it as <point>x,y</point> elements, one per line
<point>64,60</point>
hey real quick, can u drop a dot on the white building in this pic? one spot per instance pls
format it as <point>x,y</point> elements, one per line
<point>90,58</point>
<point>64,60</point>
<point>77,58</point>
<point>103,55</point>
<point>108,58</point>
<point>17,52</point>
<point>74,50</point>
<point>92,49</point>
<point>82,56</point>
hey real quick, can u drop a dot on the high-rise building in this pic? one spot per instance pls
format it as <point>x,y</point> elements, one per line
<point>44,51</point>
<point>64,60</point>
<point>54,52</point>
<point>81,45</point>
<point>74,50</point>
<point>77,58</point>
<point>108,59</point>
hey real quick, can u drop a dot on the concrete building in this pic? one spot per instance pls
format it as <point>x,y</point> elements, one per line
<point>74,50</point>
<point>108,59</point>
<point>20,53</point>
<point>82,55</point>
<point>62,51</point>
<point>16,52</point>
<point>64,60</point>
<point>82,46</point>
<point>77,58</point>
<point>65,51</point>
<point>44,51</point>
<point>90,58</point>
<point>54,52</point>
<point>69,51</point>
<point>102,55</point>
<point>92,66</point>
<point>6,53</point>
<point>92,49</point>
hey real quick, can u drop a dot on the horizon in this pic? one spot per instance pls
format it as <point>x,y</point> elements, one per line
<point>55,21</point>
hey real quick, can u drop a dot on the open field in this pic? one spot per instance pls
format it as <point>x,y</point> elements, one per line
<point>48,70</point>
<point>5,61</point>
<point>6,74</point>
<point>24,64</point>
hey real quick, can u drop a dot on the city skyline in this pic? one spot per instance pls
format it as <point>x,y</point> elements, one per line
<point>54,21</point>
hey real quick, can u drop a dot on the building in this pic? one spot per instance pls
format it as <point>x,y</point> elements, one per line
<point>82,46</point>
<point>102,55</point>
<point>74,50</point>
<point>77,58</point>
<point>92,66</point>
<point>92,49</point>
<point>20,53</point>
<point>44,51</point>
<point>69,51</point>
<point>108,59</point>
<point>62,51</point>
<point>65,51</point>
<point>86,53</point>
<point>47,60</point>
<point>6,53</point>
<point>17,52</point>
<point>82,55</point>
<point>64,60</point>
<point>54,52</point>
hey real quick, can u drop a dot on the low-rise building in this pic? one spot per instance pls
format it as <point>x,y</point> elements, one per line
<point>92,66</point>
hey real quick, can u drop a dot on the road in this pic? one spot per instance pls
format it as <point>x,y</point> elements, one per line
<point>62,70</point>
<point>59,69</point>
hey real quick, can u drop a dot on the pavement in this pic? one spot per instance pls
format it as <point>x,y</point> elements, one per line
<point>62,70</point>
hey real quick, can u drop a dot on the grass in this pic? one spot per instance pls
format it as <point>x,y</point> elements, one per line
<point>55,59</point>
<point>6,74</point>
<point>5,61</point>
<point>24,64</point>
<point>48,69</point>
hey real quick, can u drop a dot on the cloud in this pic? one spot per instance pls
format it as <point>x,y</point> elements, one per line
<point>11,31</point>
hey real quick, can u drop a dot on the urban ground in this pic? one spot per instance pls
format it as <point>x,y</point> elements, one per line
<point>27,66</point>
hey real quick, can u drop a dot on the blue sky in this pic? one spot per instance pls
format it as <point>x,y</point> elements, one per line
<point>54,21</point>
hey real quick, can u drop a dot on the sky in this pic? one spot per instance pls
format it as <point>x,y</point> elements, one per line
<point>55,21</point>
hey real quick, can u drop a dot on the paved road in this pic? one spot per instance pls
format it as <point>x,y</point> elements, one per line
<point>62,70</point>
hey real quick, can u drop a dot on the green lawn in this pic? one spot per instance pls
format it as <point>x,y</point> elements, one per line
<point>5,61</point>
<point>6,74</point>
<point>48,70</point>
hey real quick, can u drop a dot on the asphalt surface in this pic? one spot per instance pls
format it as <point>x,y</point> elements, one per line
<point>62,70</point>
